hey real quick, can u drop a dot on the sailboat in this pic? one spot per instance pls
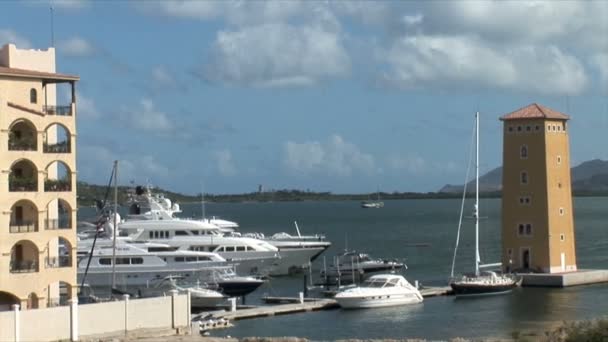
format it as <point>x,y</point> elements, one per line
<point>373,204</point>
<point>487,282</point>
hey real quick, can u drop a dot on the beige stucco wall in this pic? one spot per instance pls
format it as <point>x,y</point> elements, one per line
<point>147,313</point>
<point>28,59</point>
<point>54,324</point>
<point>45,282</point>
<point>544,175</point>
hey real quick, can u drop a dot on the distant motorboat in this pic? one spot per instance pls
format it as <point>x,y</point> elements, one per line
<point>380,291</point>
<point>372,204</point>
<point>369,204</point>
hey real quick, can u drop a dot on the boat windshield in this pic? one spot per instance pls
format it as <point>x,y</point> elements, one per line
<point>375,283</point>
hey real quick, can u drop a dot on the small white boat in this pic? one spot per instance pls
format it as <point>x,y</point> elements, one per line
<point>379,291</point>
<point>200,296</point>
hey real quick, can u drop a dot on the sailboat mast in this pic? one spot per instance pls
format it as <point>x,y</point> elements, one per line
<point>476,213</point>
<point>115,230</point>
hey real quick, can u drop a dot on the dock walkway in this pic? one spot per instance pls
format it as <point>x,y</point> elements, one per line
<point>281,309</point>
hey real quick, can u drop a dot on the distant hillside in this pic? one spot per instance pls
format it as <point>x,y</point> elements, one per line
<point>588,177</point>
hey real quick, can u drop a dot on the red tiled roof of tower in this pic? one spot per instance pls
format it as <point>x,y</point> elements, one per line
<point>535,111</point>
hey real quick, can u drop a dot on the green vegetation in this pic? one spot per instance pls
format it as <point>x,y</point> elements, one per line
<point>584,331</point>
<point>88,193</point>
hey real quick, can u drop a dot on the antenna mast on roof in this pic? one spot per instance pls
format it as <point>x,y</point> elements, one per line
<point>52,27</point>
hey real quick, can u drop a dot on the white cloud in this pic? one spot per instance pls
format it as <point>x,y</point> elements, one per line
<point>94,159</point>
<point>163,77</point>
<point>8,36</point>
<point>277,55</point>
<point>469,61</point>
<point>600,62</point>
<point>76,47</point>
<point>147,118</point>
<point>335,157</point>
<point>225,164</point>
<point>183,9</point>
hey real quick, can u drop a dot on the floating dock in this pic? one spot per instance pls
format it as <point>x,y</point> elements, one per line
<point>580,277</point>
<point>281,309</point>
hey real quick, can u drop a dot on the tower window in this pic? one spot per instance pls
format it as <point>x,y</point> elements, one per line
<point>559,128</point>
<point>521,229</point>
<point>559,159</point>
<point>510,129</point>
<point>548,128</point>
<point>33,96</point>
<point>523,177</point>
<point>519,128</point>
<point>562,237</point>
<point>527,199</point>
<point>561,211</point>
<point>528,128</point>
<point>523,152</point>
<point>528,229</point>
<point>537,128</point>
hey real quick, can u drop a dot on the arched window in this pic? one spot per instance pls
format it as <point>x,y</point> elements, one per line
<point>523,152</point>
<point>33,96</point>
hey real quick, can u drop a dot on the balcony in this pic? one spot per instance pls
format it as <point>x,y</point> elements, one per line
<point>23,226</point>
<point>15,144</point>
<point>57,185</point>
<point>23,266</point>
<point>18,184</point>
<point>53,224</point>
<point>57,110</point>
<point>63,147</point>
<point>58,262</point>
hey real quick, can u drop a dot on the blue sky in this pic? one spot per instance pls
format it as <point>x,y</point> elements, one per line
<point>342,96</point>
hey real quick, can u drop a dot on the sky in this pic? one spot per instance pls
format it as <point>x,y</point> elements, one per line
<point>340,96</point>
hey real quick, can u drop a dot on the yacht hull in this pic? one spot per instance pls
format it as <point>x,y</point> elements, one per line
<point>293,260</point>
<point>464,289</point>
<point>368,302</point>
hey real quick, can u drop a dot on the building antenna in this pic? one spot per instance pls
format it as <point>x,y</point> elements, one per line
<point>52,27</point>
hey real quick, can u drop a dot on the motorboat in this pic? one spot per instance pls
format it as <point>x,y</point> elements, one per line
<point>201,296</point>
<point>479,283</point>
<point>380,291</point>
<point>352,265</point>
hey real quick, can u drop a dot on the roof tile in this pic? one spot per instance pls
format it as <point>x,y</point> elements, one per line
<point>535,111</point>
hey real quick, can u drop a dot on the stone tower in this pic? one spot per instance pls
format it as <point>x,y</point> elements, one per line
<point>537,218</point>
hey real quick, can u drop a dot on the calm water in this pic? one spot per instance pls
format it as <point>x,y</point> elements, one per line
<point>394,232</point>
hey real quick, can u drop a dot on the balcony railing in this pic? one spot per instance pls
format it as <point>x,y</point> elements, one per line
<point>62,223</point>
<point>22,184</point>
<point>59,261</point>
<point>23,266</point>
<point>62,147</point>
<point>23,226</point>
<point>57,110</point>
<point>21,145</point>
<point>57,185</point>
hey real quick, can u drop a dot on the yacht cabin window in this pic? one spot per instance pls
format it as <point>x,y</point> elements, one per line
<point>181,233</point>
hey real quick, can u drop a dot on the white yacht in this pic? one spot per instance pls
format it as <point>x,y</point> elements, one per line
<point>137,268</point>
<point>351,264</point>
<point>251,256</point>
<point>380,291</point>
<point>296,252</point>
